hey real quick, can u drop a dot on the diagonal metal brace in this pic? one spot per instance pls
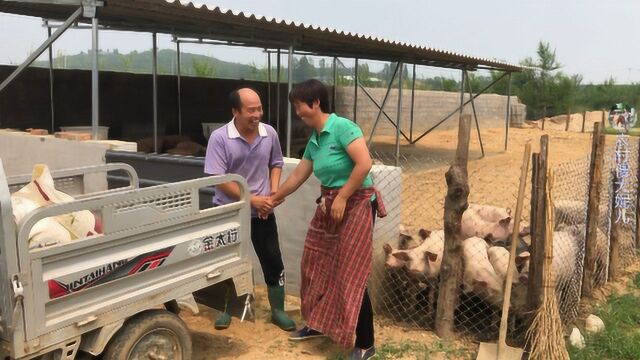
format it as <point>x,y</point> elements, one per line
<point>42,48</point>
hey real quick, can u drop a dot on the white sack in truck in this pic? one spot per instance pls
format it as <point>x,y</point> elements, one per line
<point>41,192</point>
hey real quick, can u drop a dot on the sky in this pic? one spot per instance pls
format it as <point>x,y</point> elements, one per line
<point>594,38</point>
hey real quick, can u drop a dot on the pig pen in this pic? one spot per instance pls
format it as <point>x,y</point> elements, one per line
<point>405,288</point>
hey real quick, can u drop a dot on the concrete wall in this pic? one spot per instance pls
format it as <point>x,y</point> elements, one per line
<point>429,108</point>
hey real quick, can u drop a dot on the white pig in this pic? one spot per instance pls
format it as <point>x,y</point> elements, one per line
<point>499,259</point>
<point>397,258</point>
<point>473,225</point>
<point>426,258</point>
<point>479,276</point>
<point>565,252</point>
<point>489,212</point>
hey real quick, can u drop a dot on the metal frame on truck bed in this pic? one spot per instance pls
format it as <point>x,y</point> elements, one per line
<point>111,293</point>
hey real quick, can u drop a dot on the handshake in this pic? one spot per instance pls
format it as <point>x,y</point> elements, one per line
<point>264,205</point>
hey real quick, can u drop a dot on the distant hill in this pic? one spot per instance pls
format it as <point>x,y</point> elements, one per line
<point>141,62</point>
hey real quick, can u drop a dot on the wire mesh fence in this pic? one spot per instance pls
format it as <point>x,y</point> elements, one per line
<point>408,251</point>
<point>570,199</point>
<point>406,282</point>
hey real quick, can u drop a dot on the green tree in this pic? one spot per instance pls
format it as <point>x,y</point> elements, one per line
<point>303,69</point>
<point>203,68</point>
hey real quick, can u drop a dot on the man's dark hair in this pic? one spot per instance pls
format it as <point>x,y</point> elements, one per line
<point>310,91</point>
<point>234,97</point>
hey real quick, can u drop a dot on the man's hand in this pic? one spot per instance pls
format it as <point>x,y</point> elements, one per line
<point>262,204</point>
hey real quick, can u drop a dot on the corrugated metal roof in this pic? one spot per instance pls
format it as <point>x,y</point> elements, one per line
<point>190,19</point>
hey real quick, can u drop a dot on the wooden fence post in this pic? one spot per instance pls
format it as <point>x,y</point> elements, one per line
<point>584,119</point>
<point>568,121</point>
<point>595,184</point>
<point>538,225</point>
<point>615,235</point>
<point>455,204</point>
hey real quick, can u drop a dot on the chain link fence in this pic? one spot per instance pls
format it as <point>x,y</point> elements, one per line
<point>570,198</point>
<point>408,250</point>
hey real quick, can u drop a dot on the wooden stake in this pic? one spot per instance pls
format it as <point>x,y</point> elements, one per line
<point>538,226</point>
<point>454,205</point>
<point>595,184</point>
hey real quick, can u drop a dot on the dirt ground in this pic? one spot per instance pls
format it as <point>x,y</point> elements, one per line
<point>262,340</point>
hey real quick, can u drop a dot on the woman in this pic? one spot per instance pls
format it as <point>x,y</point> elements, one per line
<point>336,261</point>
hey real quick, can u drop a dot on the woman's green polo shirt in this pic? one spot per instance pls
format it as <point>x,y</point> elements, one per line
<point>332,165</point>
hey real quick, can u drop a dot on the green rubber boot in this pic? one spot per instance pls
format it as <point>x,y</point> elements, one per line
<point>223,321</point>
<point>278,316</point>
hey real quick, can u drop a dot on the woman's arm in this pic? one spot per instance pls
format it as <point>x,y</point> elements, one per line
<point>299,175</point>
<point>359,153</point>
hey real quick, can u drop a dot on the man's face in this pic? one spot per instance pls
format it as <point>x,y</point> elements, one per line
<point>250,113</point>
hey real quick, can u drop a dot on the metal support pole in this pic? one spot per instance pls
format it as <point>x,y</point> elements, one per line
<point>53,116</point>
<point>508,120</point>
<point>278,65</point>
<point>355,93</point>
<point>155,91</point>
<point>381,109</point>
<point>67,24</point>
<point>335,83</point>
<point>413,99</point>
<point>95,88</point>
<point>458,108</point>
<point>269,86</point>
<point>399,113</point>
<point>179,66</point>
<point>475,115</point>
<point>290,85</point>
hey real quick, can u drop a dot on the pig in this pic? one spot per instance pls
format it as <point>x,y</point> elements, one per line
<point>489,212</point>
<point>601,250</point>
<point>408,240</point>
<point>426,259</point>
<point>569,212</point>
<point>404,291</point>
<point>565,258</point>
<point>473,225</point>
<point>479,277</point>
<point>522,250</point>
<point>499,259</point>
<point>397,258</point>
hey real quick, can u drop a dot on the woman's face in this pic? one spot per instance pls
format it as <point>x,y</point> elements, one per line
<point>305,112</point>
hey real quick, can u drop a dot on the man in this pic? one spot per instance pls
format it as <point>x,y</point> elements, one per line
<point>249,148</point>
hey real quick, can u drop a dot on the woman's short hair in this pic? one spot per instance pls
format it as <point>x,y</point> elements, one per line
<point>309,91</point>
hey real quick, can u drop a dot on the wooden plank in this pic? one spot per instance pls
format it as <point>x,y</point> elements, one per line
<point>456,202</point>
<point>595,184</point>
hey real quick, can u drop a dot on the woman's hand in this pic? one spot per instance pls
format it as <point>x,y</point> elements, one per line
<point>337,209</point>
<point>273,198</point>
<point>262,204</point>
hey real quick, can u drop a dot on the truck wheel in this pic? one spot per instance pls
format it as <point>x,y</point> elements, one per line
<point>152,335</point>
